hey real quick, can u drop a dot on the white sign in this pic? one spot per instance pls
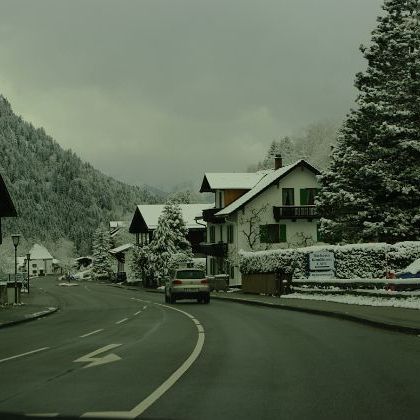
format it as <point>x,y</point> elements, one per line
<point>317,275</point>
<point>321,261</point>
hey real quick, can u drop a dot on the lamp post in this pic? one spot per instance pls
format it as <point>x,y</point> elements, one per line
<point>28,257</point>
<point>15,239</point>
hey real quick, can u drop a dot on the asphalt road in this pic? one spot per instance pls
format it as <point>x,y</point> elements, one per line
<point>111,352</point>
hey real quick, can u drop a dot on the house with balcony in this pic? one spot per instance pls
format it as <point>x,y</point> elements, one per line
<point>145,221</point>
<point>265,210</point>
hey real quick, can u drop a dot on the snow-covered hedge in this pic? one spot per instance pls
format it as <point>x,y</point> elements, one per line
<point>369,260</point>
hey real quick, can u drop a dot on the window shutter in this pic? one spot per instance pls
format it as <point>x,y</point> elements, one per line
<point>303,197</point>
<point>283,235</point>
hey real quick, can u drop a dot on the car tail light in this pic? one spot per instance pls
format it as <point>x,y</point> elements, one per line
<point>176,282</point>
<point>204,281</point>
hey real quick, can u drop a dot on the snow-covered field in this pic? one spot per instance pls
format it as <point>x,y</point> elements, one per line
<point>409,302</point>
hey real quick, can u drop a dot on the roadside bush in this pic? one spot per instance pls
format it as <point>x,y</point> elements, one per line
<point>370,260</point>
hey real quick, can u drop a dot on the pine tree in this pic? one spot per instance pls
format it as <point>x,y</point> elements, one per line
<point>169,240</point>
<point>102,265</point>
<point>371,191</point>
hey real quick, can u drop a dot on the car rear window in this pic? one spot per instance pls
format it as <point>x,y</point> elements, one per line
<point>190,274</point>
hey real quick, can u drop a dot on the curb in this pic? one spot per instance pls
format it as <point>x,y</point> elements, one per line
<point>30,317</point>
<point>340,315</point>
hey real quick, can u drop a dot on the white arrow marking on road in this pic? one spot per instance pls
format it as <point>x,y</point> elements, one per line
<point>95,361</point>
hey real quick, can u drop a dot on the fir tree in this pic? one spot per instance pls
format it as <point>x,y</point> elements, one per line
<point>371,191</point>
<point>101,266</point>
<point>169,240</point>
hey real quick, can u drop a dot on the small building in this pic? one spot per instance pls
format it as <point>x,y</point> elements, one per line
<point>119,254</point>
<point>269,209</point>
<point>83,262</point>
<point>7,208</point>
<point>146,216</point>
<point>41,261</point>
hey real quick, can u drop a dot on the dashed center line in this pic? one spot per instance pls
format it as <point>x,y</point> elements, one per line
<point>122,320</point>
<point>137,312</point>
<point>91,333</point>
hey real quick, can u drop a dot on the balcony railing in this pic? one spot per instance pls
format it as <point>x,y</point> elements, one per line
<point>209,216</point>
<point>295,212</point>
<point>218,249</point>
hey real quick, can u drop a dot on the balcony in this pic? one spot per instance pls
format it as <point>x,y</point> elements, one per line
<point>209,216</point>
<point>295,212</point>
<point>215,250</point>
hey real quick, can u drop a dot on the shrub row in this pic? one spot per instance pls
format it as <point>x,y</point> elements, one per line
<point>370,260</point>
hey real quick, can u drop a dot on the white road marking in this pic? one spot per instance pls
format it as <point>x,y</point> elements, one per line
<point>144,307</point>
<point>95,361</point>
<point>122,320</point>
<point>24,354</point>
<point>91,333</point>
<point>158,392</point>
<point>42,414</point>
<point>138,312</point>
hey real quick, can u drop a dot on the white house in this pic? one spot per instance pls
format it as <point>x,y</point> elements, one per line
<point>41,261</point>
<point>269,209</point>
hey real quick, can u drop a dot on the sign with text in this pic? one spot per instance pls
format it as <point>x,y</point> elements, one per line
<point>321,261</point>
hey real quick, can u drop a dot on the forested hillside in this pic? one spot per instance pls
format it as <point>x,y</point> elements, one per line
<point>56,194</point>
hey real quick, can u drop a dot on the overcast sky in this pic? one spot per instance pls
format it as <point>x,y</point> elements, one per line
<point>160,91</point>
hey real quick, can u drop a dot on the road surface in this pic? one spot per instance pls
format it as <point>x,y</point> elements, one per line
<point>117,353</point>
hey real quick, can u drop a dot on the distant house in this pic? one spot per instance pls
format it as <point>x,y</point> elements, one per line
<point>116,226</point>
<point>119,254</point>
<point>145,220</point>
<point>256,211</point>
<point>7,208</point>
<point>41,261</point>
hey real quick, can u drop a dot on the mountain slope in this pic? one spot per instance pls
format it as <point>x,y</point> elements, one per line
<point>56,194</point>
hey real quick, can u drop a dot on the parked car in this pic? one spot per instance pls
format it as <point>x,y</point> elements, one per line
<point>411,271</point>
<point>187,283</point>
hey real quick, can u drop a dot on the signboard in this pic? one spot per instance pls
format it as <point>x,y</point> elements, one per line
<point>321,274</point>
<point>321,261</point>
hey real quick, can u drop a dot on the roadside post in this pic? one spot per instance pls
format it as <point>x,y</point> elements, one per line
<point>28,258</point>
<point>15,239</point>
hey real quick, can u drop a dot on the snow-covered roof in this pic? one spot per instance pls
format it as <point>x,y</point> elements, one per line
<point>151,213</point>
<point>113,224</point>
<point>235,180</point>
<point>267,179</point>
<point>120,248</point>
<point>39,252</point>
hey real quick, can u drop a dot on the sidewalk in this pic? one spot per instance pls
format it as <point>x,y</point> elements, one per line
<point>397,319</point>
<point>34,305</point>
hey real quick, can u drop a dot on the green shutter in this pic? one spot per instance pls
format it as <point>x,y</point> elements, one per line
<point>283,235</point>
<point>303,197</point>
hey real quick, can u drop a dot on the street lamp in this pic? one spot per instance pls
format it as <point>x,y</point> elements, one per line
<point>28,257</point>
<point>15,239</point>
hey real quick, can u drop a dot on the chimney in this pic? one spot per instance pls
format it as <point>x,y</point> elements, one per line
<point>278,161</point>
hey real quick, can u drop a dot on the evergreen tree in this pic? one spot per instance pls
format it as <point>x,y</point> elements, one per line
<point>371,190</point>
<point>169,240</point>
<point>101,265</point>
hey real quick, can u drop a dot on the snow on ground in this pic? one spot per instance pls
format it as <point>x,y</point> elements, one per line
<point>409,302</point>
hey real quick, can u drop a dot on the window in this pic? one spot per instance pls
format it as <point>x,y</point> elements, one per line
<point>307,196</point>
<point>288,196</point>
<point>34,266</point>
<point>230,234</point>
<point>221,233</point>
<point>212,234</point>
<point>272,234</point>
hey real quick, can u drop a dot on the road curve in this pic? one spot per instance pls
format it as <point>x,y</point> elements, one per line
<point>256,363</point>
